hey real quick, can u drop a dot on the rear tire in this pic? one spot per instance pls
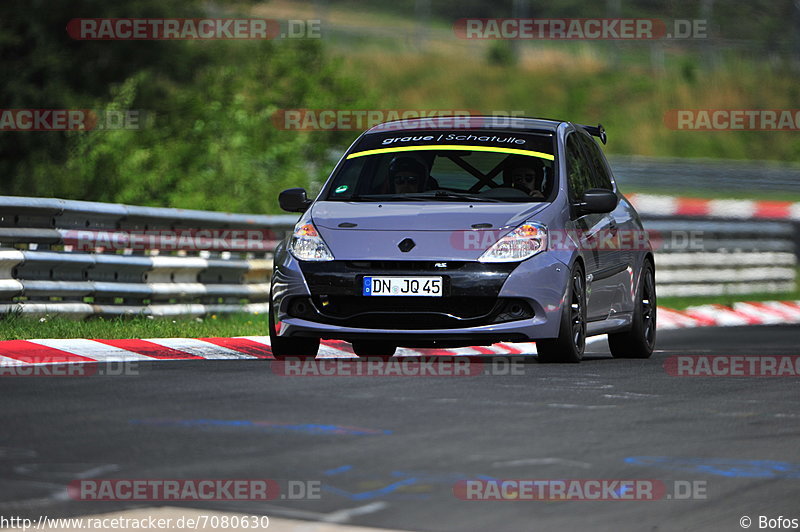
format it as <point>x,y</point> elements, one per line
<point>639,341</point>
<point>374,349</point>
<point>283,347</point>
<point>571,341</point>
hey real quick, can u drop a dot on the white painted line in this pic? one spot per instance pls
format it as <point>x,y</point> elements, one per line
<point>343,516</point>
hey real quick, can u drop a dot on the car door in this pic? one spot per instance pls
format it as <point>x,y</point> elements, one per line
<point>588,228</point>
<point>612,279</point>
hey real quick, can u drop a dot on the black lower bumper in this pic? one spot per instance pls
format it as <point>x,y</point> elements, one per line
<point>470,296</point>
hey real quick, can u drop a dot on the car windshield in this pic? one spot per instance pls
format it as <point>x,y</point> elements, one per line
<point>477,166</point>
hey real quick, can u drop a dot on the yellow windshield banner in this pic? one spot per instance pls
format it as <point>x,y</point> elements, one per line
<point>452,147</point>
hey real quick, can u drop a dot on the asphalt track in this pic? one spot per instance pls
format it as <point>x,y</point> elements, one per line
<point>402,442</point>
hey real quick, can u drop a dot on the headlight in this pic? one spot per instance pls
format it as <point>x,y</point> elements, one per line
<point>306,244</point>
<point>522,243</point>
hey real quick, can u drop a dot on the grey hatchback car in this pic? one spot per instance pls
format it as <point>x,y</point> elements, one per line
<point>459,231</point>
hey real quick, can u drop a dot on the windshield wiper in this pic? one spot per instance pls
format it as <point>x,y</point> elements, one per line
<point>388,197</point>
<point>450,195</point>
<point>433,195</point>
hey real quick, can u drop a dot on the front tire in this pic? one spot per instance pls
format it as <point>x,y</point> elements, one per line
<point>571,341</point>
<point>639,341</point>
<point>283,347</point>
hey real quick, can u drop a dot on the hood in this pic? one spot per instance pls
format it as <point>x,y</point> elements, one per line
<point>421,216</point>
<point>440,230</point>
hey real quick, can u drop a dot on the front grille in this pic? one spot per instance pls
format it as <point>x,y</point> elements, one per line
<point>460,278</point>
<point>395,265</point>
<point>409,312</point>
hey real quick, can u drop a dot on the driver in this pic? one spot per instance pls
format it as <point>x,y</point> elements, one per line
<point>407,175</point>
<point>526,175</point>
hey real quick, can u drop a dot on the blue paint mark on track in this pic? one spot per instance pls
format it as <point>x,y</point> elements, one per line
<point>726,467</point>
<point>395,488</point>
<point>337,470</point>
<point>262,426</point>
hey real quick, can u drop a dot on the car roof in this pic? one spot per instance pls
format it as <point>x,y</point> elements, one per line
<point>468,123</point>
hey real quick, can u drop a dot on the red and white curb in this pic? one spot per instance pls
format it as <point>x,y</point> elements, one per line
<point>47,351</point>
<point>742,313</point>
<point>657,205</point>
<point>25,352</point>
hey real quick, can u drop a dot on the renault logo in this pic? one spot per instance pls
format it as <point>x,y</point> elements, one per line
<point>406,245</point>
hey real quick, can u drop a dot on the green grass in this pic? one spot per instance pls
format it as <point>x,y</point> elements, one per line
<point>17,327</point>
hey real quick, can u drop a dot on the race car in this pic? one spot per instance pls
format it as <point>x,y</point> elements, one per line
<point>453,231</point>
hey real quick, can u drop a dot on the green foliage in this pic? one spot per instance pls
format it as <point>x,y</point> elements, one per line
<point>206,139</point>
<point>210,141</point>
<point>501,53</point>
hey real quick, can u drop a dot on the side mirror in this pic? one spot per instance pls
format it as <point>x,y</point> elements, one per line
<point>598,201</point>
<point>294,200</point>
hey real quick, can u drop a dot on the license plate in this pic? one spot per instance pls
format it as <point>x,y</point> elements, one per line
<point>402,286</point>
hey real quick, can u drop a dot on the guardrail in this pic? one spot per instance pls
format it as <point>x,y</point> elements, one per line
<point>708,174</point>
<point>702,257</point>
<point>82,259</point>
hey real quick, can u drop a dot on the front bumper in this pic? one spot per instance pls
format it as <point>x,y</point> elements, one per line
<point>482,303</point>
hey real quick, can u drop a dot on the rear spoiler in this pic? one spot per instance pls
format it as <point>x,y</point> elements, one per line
<point>596,131</point>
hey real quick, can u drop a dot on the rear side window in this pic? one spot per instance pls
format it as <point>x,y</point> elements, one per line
<point>601,178</point>
<point>578,169</point>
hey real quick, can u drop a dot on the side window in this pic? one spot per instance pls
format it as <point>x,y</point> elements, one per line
<point>601,179</point>
<point>345,185</point>
<point>578,170</point>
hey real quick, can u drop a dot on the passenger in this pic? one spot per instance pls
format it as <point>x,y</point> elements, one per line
<point>407,175</point>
